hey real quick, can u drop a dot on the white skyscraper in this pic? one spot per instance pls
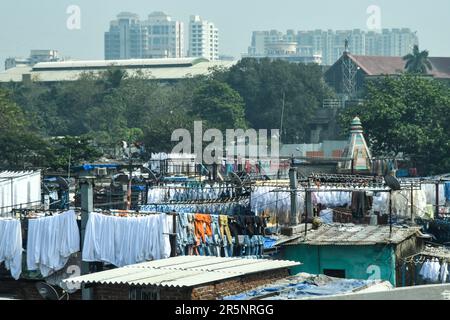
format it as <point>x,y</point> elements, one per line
<point>203,39</point>
<point>165,37</point>
<point>157,37</point>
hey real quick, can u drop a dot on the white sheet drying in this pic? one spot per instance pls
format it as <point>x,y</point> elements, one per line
<point>123,241</point>
<point>51,241</point>
<point>11,246</point>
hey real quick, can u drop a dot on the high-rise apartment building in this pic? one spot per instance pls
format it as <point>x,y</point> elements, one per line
<point>203,39</point>
<point>157,37</point>
<point>330,44</point>
<point>126,38</point>
<point>165,37</point>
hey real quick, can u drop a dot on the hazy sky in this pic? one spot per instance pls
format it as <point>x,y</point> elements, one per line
<point>28,24</point>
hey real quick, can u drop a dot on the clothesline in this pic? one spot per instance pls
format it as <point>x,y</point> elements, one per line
<point>194,202</point>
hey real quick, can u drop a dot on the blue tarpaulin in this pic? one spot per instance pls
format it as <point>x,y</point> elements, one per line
<point>269,243</point>
<point>89,167</point>
<point>295,289</point>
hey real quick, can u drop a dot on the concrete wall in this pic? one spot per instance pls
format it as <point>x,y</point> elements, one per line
<point>359,262</point>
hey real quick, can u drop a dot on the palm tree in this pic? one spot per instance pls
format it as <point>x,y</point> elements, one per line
<point>114,76</point>
<point>417,61</point>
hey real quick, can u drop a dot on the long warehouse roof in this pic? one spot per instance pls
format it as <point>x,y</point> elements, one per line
<point>157,69</point>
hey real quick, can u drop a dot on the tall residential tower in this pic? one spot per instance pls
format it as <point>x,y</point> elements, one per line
<point>126,38</point>
<point>157,37</point>
<point>203,39</point>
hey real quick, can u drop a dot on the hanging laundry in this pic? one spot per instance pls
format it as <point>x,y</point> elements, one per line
<point>220,235</point>
<point>11,246</point>
<point>123,241</point>
<point>276,204</point>
<point>401,203</point>
<point>188,192</point>
<point>237,207</point>
<point>435,270</point>
<point>444,272</point>
<point>426,270</point>
<point>430,193</point>
<point>381,202</point>
<point>51,241</point>
<point>447,191</point>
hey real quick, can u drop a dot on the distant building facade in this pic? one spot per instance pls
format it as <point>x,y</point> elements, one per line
<point>165,36</point>
<point>36,56</point>
<point>330,44</point>
<point>130,38</point>
<point>126,38</point>
<point>276,45</point>
<point>203,39</point>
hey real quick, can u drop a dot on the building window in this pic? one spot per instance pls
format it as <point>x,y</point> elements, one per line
<point>335,273</point>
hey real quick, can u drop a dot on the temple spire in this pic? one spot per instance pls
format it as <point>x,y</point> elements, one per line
<point>357,149</point>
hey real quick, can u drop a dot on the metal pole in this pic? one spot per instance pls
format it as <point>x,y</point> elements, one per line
<point>390,213</point>
<point>70,160</point>
<point>282,117</point>
<point>436,211</point>
<point>293,185</point>
<point>129,192</point>
<point>173,236</point>
<point>412,203</point>
<point>87,206</point>
<point>308,206</point>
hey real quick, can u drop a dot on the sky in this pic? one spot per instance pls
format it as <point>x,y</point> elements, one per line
<point>26,24</point>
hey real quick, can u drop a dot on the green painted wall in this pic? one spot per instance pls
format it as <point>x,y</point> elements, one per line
<point>359,262</point>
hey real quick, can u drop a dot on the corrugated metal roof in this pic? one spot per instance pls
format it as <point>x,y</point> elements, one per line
<point>186,271</point>
<point>342,235</point>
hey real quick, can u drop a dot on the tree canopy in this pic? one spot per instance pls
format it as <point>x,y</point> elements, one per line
<point>264,83</point>
<point>408,115</point>
<point>19,147</point>
<point>115,106</point>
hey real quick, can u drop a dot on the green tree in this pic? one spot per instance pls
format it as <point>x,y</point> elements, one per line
<point>407,115</point>
<point>219,106</point>
<point>266,85</point>
<point>417,61</point>
<point>73,150</point>
<point>113,77</point>
<point>20,147</point>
